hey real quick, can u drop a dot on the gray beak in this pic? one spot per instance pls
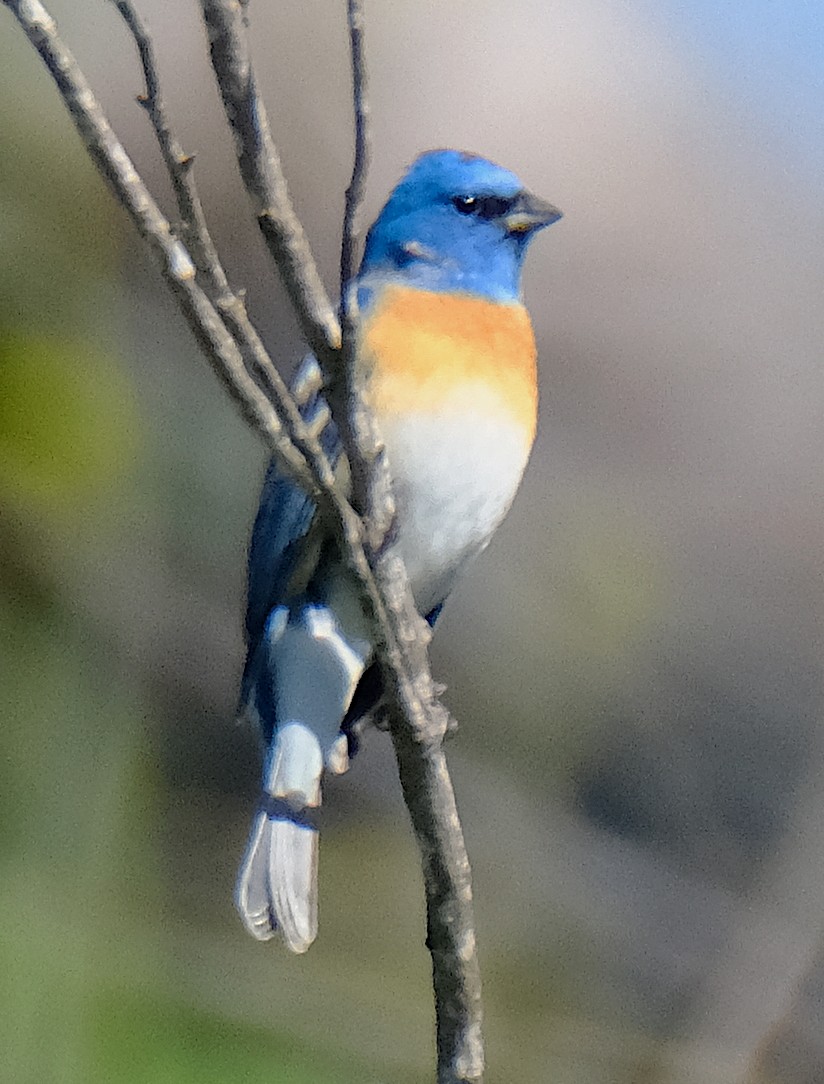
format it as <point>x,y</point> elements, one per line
<point>531,213</point>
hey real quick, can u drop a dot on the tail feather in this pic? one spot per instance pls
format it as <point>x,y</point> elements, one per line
<point>277,884</point>
<point>252,895</point>
<point>299,686</point>
<point>293,882</point>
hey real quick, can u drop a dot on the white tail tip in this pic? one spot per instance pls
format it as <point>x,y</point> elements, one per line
<point>277,887</point>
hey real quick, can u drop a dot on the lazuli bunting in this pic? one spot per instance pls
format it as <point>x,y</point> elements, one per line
<point>446,358</point>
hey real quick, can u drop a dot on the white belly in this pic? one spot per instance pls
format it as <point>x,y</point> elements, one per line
<point>455,474</point>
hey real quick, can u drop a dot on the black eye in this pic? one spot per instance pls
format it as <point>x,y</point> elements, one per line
<point>467,205</point>
<point>487,207</point>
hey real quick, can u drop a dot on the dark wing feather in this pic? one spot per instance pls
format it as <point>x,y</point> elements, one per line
<point>284,517</point>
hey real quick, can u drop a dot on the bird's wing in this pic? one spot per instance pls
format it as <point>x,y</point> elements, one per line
<point>282,543</point>
<point>285,514</point>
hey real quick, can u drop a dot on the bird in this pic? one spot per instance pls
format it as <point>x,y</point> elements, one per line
<point>446,359</point>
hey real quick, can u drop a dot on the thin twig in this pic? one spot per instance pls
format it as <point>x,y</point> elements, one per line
<point>450,923</point>
<point>194,228</point>
<point>371,484</point>
<point>176,263</point>
<point>357,186</point>
<point>264,179</point>
<point>199,241</point>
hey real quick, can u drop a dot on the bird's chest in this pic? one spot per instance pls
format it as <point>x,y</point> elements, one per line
<point>452,385</point>
<point>455,476</point>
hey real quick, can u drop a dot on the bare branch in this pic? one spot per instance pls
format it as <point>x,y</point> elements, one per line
<point>264,179</point>
<point>177,265</point>
<point>312,470</point>
<point>357,186</point>
<point>371,484</point>
<point>418,721</point>
<point>194,229</point>
<point>450,924</point>
<point>199,241</point>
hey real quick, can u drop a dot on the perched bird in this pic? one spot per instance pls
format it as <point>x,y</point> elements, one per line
<point>446,358</point>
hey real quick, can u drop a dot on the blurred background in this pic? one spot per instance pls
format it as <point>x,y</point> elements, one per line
<point>635,662</point>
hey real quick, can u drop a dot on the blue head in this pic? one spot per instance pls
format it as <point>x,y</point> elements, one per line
<point>455,222</point>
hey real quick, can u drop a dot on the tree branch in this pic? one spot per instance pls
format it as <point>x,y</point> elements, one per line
<point>357,186</point>
<point>371,484</point>
<point>418,721</point>
<point>199,241</point>
<point>194,228</point>
<point>176,263</point>
<point>264,179</point>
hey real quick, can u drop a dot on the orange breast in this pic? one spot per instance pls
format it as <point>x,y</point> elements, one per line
<point>419,349</point>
